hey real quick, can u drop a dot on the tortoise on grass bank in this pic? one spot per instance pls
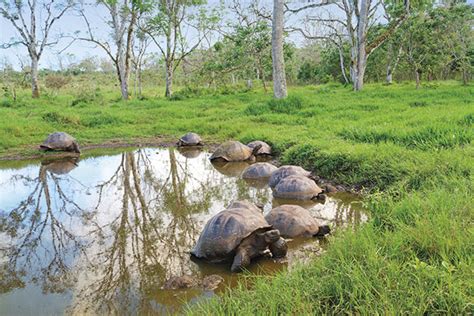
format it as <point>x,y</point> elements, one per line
<point>234,151</point>
<point>60,141</point>
<point>286,171</point>
<point>190,139</point>
<point>298,188</point>
<point>259,170</point>
<point>238,234</point>
<point>295,221</point>
<point>265,149</point>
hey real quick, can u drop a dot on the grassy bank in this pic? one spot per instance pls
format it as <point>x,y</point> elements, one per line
<point>412,149</point>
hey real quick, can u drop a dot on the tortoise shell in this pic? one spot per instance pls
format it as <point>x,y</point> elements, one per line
<point>293,221</point>
<point>297,187</point>
<point>232,151</point>
<point>190,139</point>
<point>245,204</point>
<point>264,150</point>
<point>259,170</point>
<point>60,141</point>
<point>224,232</point>
<point>285,171</point>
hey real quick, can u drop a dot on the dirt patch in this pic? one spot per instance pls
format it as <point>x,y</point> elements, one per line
<point>33,152</point>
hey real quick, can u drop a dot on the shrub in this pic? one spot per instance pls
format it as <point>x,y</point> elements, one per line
<point>56,82</point>
<point>55,117</point>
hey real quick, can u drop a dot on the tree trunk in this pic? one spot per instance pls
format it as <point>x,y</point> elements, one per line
<point>35,93</point>
<point>123,84</point>
<point>417,78</point>
<point>139,79</point>
<point>341,64</point>
<point>169,80</point>
<point>465,77</point>
<point>279,76</point>
<point>389,78</point>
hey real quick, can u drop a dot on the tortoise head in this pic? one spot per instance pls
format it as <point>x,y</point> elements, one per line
<point>271,236</point>
<point>323,231</point>
<point>256,149</point>
<point>75,147</point>
<point>279,248</point>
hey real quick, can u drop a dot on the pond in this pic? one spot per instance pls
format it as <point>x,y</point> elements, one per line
<point>103,234</point>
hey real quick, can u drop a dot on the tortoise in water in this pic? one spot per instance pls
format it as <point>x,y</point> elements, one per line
<point>234,151</point>
<point>259,170</point>
<point>60,141</point>
<point>285,171</point>
<point>295,221</point>
<point>264,150</point>
<point>238,234</point>
<point>297,187</point>
<point>190,139</point>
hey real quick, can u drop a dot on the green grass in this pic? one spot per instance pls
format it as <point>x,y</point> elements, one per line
<point>411,150</point>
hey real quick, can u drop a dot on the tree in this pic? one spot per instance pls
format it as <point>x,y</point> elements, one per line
<point>35,36</point>
<point>278,61</point>
<point>124,15</point>
<point>173,21</point>
<point>358,18</point>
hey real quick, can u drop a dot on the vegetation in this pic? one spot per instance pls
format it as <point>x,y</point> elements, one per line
<point>407,145</point>
<point>414,255</point>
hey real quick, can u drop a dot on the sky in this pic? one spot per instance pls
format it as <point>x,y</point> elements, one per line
<point>68,25</point>
<point>79,50</point>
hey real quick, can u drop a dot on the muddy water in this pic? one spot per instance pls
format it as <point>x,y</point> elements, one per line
<point>103,234</point>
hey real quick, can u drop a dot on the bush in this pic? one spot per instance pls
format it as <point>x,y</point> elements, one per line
<point>55,117</point>
<point>87,96</point>
<point>56,82</point>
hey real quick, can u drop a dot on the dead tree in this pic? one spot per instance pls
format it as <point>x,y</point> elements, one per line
<point>35,33</point>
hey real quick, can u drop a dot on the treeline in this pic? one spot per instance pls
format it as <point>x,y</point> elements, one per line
<point>192,44</point>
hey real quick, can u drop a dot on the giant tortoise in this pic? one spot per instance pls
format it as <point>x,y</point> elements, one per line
<point>265,149</point>
<point>60,141</point>
<point>190,139</point>
<point>295,221</point>
<point>298,188</point>
<point>234,151</point>
<point>285,171</point>
<point>238,234</point>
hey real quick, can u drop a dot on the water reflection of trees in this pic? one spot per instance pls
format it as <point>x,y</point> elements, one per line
<point>147,240</point>
<point>44,245</point>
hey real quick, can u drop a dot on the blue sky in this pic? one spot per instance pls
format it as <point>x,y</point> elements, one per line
<point>71,23</point>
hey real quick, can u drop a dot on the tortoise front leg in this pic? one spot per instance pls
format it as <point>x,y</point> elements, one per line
<point>241,260</point>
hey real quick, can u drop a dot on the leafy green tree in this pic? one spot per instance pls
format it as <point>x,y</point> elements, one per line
<point>169,24</point>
